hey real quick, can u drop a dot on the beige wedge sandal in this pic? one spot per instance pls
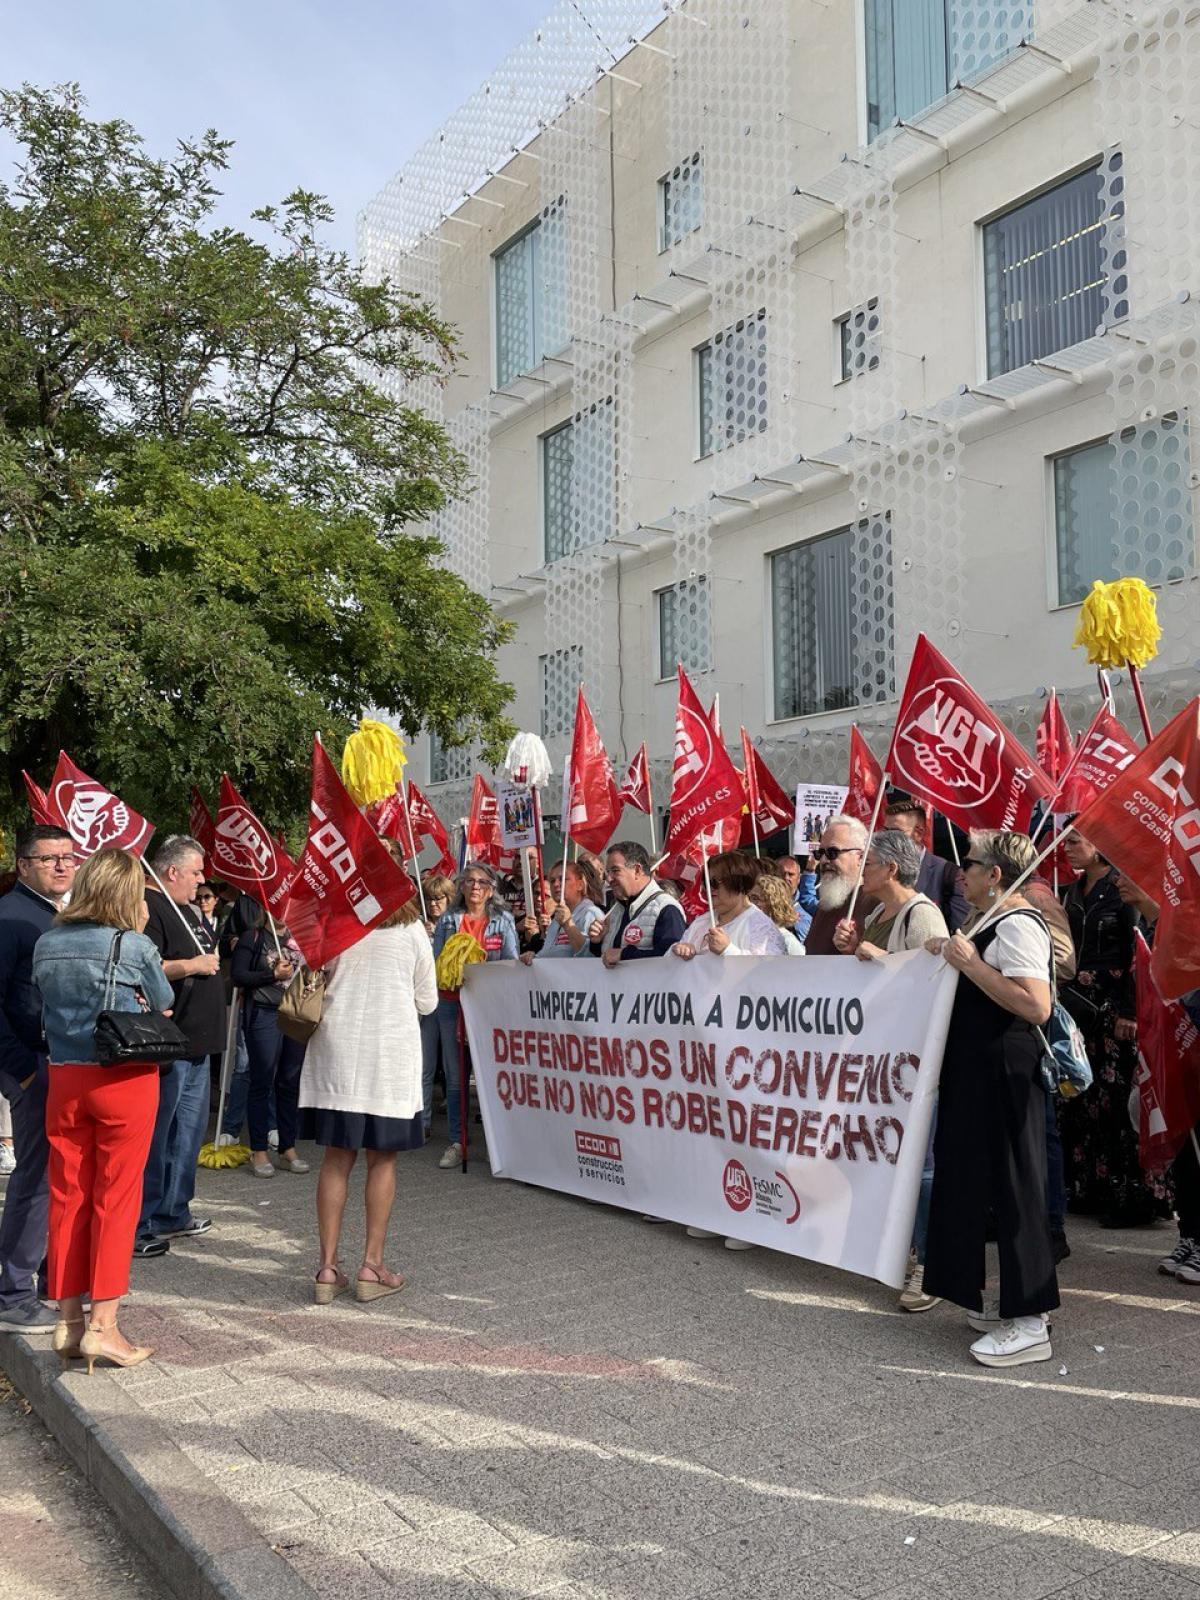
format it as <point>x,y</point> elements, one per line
<point>384,1282</point>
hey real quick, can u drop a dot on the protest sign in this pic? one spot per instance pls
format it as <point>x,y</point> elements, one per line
<point>517,816</point>
<point>815,804</point>
<point>783,1102</point>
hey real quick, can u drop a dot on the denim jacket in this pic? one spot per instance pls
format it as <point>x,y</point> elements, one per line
<point>69,965</point>
<point>500,925</point>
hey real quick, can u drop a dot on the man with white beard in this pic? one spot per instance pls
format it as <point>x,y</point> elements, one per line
<point>839,859</point>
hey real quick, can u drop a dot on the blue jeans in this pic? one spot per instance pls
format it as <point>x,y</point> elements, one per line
<point>24,1225</point>
<point>430,1043</point>
<point>170,1181</point>
<point>449,1016</point>
<point>237,1092</point>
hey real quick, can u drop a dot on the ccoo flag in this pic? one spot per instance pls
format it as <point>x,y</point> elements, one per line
<point>1103,754</point>
<point>1147,822</point>
<point>705,785</point>
<point>1168,1075</point>
<point>951,750</point>
<point>95,818</point>
<point>245,854</point>
<point>346,883</point>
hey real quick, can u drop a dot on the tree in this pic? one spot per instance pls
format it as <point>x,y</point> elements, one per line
<point>208,492</point>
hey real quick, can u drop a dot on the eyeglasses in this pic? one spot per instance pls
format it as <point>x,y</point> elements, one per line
<point>52,861</point>
<point>970,861</point>
<point>830,852</point>
<point>477,883</point>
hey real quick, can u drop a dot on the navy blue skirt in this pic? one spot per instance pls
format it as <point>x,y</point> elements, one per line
<point>358,1130</point>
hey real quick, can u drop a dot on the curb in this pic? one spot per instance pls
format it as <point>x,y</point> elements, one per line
<point>196,1541</point>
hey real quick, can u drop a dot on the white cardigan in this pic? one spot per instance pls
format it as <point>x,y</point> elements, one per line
<point>366,1052</point>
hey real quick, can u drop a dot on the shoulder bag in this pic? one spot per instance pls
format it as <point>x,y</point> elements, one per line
<point>128,1036</point>
<point>299,1012</point>
<point>1066,1069</point>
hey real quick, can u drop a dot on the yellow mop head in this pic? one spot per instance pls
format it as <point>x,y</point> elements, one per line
<point>373,762</point>
<point>1119,624</point>
<point>223,1155</point>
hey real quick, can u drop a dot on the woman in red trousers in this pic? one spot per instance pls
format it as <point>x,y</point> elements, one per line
<point>98,1119</point>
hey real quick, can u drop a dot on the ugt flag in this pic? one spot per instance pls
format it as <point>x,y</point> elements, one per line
<point>705,785</point>
<point>770,810</point>
<point>866,775</point>
<point>346,883</point>
<point>246,855</point>
<point>951,749</point>
<point>635,787</point>
<point>1147,822</point>
<point>1168,1076</point>
<point>95,818</point>
<point>203,828</point>
<point>591,800</point>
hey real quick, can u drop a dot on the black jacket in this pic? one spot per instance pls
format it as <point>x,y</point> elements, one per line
<point>942,881</point>
<point>1102,927</point>
<point>24,917</point>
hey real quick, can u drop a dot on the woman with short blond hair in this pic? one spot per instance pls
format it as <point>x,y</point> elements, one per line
<point>99,1119</point>
<point>362,1081</point>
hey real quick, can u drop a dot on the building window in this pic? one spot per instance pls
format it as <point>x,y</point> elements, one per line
<point>449,765</point>
<point>1150,466</point>
<point>860,340</point>
<point>579,482</point>
<point>917,50</point>
<point>832,623</point>
<point>438,765</point>
<point>1043,273</point>
<point>684,627</point>
<point>731,383</point>
<point>561,674</point>
<point>531,295</point>
<point>680,202</point>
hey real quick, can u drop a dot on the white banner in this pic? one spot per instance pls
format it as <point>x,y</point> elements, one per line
<point>780,1100</point>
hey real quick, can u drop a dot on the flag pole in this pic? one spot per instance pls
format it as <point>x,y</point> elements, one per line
<point>566,833</point>
<point>412,848</point>
<point>994,911</point>
<point>883,784</point>
<point>712,915</point>
<point>953,841</point>
<point>650,798</point>
<point>227,1060</point>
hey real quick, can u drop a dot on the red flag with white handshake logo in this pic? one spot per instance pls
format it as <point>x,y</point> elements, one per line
<point>1147,822</point>
<point>95,818</point>
<point>951,750</point>
<point>770,810</point>
<point>591,800</point>
<point>245,854</point>
<point>426,824</point>
<point>635,787</point>
<point>705,785</point>
<point>346,883</point>
<point>1168,1076</point>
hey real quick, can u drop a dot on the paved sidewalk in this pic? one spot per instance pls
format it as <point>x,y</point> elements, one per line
<point>567,1401</point>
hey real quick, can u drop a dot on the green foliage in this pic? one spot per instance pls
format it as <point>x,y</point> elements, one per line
<point>206,485</point>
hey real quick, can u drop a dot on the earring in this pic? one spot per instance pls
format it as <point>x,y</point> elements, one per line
<point>991,894</point>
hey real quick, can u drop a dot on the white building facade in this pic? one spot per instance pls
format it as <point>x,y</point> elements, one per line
<point>793,328</point>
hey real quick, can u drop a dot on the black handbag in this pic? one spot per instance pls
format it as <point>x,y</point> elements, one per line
<point>142,1035</point>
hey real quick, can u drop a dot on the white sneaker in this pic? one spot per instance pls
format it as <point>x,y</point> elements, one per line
<point>1178,1256</point>
<point>987,1320</point>
<point>262,1169</point>
<point>273,1139</point>
<point>452,1157</point>
<point>738,1244</point>
<point>913,1296</point>
<point>701,1233</point>
<point>225,1138</point>
<point>8,1160</point>
<point>1014,1343</point>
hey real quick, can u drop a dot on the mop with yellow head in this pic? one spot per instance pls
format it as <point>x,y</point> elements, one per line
<point>1119,627</point>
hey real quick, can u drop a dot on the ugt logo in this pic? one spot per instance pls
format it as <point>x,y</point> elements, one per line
<point>693,753</point>
<point>243,848</point>
<point>944,747</point>
<point>739,1191</point>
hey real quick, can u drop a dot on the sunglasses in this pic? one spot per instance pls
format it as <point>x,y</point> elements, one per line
<point>970,861</point>
<point>830,852</point>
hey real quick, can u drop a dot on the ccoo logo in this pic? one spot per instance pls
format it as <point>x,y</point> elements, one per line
<point>243,848</point>
<point>736,1184</point>
<point>946,750</point>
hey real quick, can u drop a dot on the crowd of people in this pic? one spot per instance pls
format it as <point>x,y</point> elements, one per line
<point>103,1158</point>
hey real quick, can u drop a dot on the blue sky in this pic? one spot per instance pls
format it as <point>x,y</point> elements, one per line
<point>323,97</point>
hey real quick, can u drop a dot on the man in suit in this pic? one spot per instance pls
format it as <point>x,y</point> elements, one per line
<point>941,880</point>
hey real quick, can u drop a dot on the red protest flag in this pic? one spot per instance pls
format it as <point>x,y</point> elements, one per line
<point>95,818</point>
<point>951,750</point>
<point>1147,822</point>
<point>1055,746</point>
<point>483,830</point>
<point>386,816</point>
<point>246,855</point>
<point>591,799</point>
<point>427,824</point>
<point>769,809</point>
<point>705,785</point>
<point>1104,753</point>
<point>635,787</point>
<point>346,883</point>
<point>203,828</point>
<point>866,775</point>
<point>1168,1077</point>
<point>44,814</point>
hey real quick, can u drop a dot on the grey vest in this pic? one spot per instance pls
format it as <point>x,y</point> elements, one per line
<point>641,924</point>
